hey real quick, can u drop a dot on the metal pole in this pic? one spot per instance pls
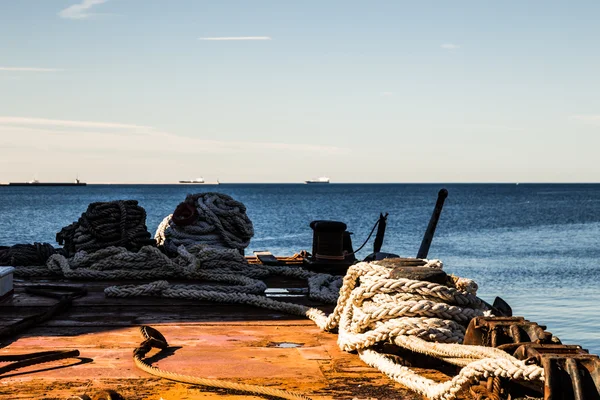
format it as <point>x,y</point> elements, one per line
<point>428,237</point>
<point>380,233</point>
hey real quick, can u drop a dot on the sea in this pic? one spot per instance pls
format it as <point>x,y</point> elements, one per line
<point>537,246</point>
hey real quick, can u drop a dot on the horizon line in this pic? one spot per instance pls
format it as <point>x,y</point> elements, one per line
<point>217,38</point>
<point>218,183</point>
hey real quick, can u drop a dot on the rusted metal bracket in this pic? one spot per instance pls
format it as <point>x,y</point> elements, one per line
<point>571,373</point>
<point>506,332</point>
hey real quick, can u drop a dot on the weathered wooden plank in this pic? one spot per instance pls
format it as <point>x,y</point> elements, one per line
<point>134,316</point>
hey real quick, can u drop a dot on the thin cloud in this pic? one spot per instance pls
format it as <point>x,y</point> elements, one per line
<point>590,119</point>
<point>81,10</point>
<point>485,127</point>
<point>387,94</point>
<point>66,123</point>
<point>30,69</point>
<point>450,46</point>
<point>140,138</point>
<point>236,38</point>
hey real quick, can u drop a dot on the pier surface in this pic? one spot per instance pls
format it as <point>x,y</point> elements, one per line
<point>220,341</point>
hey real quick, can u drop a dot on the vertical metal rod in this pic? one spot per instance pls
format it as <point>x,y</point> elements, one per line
<point>380,233</point>
<point>428,237</point>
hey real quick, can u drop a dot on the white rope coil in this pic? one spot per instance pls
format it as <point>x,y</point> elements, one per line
<point>365,316</point>
<point>221,223</point>
<point>474,371</point>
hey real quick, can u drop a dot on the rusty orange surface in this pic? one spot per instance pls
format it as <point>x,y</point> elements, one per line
<point>219,341</point>
<point>243,352</point>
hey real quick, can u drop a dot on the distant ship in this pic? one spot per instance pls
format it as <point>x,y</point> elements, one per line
<point>200,181</point>
<point>322,179</point>
<point>35,182</point>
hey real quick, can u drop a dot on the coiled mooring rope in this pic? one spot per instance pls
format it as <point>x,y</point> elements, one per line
<point>213,219</point>
<point>116,223</point>
<point>423,334</point>
<point>227,267</point>
<point>27,254</point>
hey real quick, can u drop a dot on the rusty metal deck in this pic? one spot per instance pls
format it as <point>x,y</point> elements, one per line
<point>231,342</point>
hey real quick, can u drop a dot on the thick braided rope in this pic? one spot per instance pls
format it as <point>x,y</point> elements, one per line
<point>225,266</point>
<point>221,223</point>
<point>433,291</point>
<point>106,224</point>
<point>431,329</point>
<point>141,364</point>
<point>363,281</point>
<point>164,289</point>
<point>115,263</point>
<point>449,350</point>
<point>416,334</point>
<point>371,312</point>
<point>217,383</point>
<point>476,370</point>
<point>27,254</point>
<point>208,264</point>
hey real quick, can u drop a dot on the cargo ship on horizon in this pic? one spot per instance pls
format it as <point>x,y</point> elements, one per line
<point>35,182</point>
<point>199,181</point>
<point>322,179</point>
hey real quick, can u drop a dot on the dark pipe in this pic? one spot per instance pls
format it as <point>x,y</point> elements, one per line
<point>428,237</point>
<point>380,233</point>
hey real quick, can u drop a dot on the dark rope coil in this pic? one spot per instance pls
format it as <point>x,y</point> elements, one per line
<point>116,223</point>
<point>27,254</point>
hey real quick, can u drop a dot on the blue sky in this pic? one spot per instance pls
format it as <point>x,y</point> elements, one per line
<point>283,91</point>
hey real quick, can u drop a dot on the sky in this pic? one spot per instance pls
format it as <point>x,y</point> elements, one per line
<point>157,91</point>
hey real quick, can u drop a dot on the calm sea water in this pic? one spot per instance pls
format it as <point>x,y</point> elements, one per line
<point>535,245</point>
